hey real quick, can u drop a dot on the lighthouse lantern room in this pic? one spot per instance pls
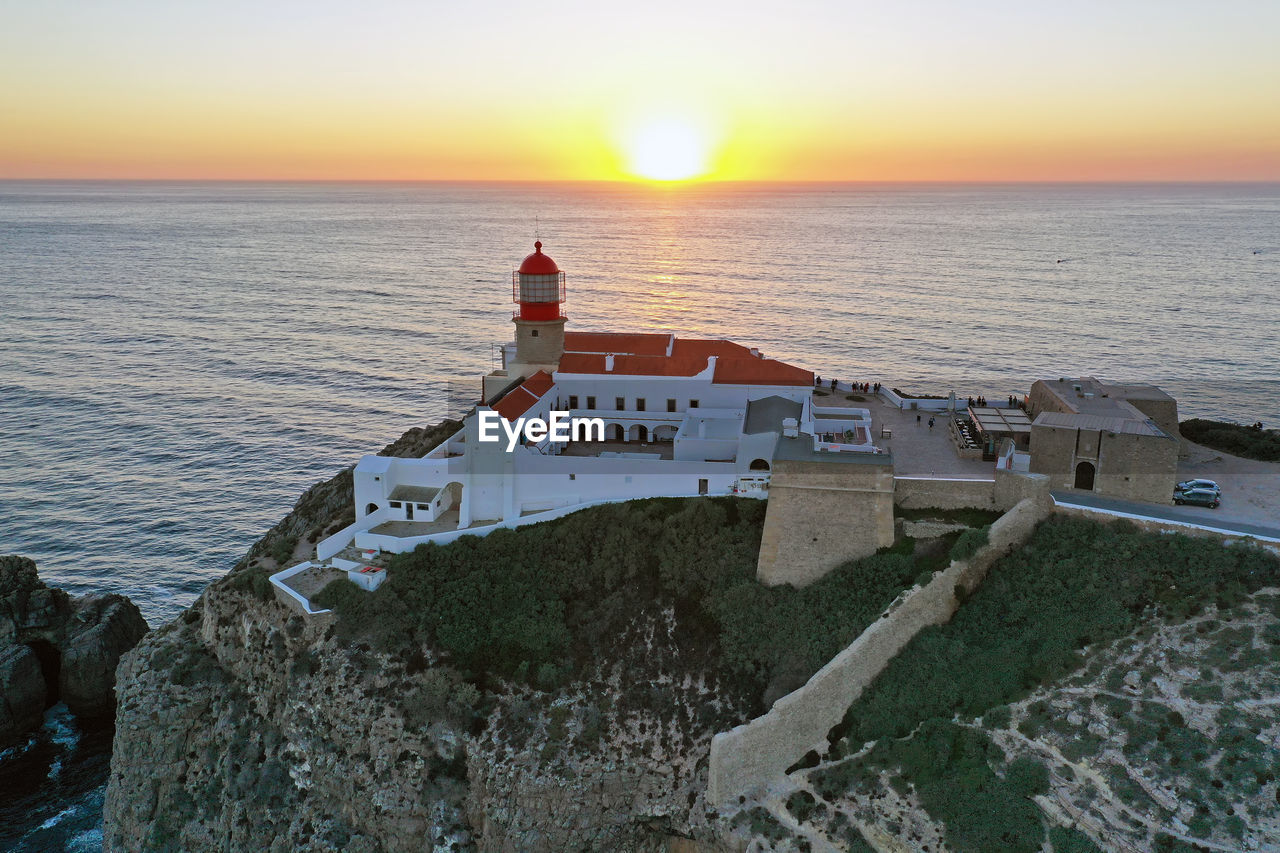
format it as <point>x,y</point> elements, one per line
<point>538,289</point>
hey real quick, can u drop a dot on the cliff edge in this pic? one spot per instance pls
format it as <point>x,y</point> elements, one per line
<point>245,725</point>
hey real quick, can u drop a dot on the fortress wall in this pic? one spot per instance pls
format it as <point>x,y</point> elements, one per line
<point>822,514</point>
<point>749,756</point>
<point>1013,487</point>
<point>934,493</point>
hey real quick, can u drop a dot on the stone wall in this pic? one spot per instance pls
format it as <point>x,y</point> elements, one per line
<point>1013,487</point>
<point>539,342</point>
<point>934,493</point>
<point>822,514</point>
<point>1129,466</point>
<point>746,758</point>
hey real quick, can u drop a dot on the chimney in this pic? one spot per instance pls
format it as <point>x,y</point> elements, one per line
<point>608,363</point>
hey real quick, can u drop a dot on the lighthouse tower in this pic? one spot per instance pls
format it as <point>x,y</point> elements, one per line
<point>538,288</point>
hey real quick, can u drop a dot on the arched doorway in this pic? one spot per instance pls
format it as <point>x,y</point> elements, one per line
<point>1084,476</point>
<point>614,433</point>
<point>639,433</point>
<point>370,509</point>
<point>759,465</point>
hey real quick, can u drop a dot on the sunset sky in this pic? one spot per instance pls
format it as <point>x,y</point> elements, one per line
<point>596,90</point>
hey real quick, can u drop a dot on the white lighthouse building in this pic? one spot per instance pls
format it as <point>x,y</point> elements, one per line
<point>680,417</point>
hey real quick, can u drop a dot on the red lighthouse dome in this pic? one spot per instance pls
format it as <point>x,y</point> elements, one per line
<point>538,263</point>
<point>538,287</point>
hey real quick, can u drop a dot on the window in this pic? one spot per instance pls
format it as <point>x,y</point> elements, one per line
<point>573,476</point>
<point>591,402</point>
<point>573,401</point>
<point>395,504</point>
<point>533,333</point>
<point>693,404</point>
<point>639,404</point>
<point>423,506</point>
<point>671,405</point>
<point>621,403</point>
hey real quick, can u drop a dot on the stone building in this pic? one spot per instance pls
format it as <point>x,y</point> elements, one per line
<point>1111,439</point>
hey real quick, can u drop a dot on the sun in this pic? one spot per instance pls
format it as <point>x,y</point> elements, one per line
<point>667,149</point>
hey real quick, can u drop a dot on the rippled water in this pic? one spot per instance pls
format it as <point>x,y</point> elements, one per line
<point>179,362</point>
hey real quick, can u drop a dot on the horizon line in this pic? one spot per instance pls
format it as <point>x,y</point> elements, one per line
<point>660,184</point>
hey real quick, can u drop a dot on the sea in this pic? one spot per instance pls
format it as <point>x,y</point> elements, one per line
<point>179,361</point>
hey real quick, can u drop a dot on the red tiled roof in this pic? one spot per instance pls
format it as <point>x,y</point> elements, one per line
<point>735,364</point>
<point>759,371</point>
<point>631,365</point>
<point>539,383</point>
<point>616,342</point>
<point>704,349</point>
<point>522,398</point>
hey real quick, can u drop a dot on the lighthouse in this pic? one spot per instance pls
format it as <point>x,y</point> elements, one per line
<point>538,289</point>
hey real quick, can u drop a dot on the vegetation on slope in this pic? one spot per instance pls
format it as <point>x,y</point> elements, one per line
<point>541,602</point>
<point>1076,583</point>
<point>1245,441</point>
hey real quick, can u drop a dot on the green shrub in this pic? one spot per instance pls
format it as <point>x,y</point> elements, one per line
<point>950,768</point>
<point>1232,438</point>
<point>1075,583</point>
<point>540,602</point>
<point>254,581</point>
<point>801,805</point>
<point>282,549</point>
<point>1027,777</point>
<point>1071,841</point>
<point>969,543</point>
<point>969,516</point>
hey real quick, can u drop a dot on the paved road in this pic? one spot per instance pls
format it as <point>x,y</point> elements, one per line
<point>1168,513</point>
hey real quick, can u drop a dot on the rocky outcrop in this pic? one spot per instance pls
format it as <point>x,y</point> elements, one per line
<point>243,725</point>
<point>56,647</point>
<point>22,689</point>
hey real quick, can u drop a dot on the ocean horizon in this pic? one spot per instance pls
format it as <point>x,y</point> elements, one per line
<point>183,358</point>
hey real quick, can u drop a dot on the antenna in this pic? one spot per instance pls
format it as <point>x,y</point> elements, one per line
<point>537,229</point>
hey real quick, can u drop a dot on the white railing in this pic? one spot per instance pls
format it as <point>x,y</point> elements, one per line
<point>398,544</point>
<point>338,542</point>
<point>278,581</point>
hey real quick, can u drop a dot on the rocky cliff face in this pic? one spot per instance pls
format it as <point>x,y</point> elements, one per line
<point>56,647</point>
<point>243,725</point>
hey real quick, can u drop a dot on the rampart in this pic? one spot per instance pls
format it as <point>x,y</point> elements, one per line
<point>1002,493</point>
<point>747,757</point>
<point>935,493</point>
<point>824,513</point>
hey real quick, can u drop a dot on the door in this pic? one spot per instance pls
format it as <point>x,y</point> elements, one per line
<point>1084,476</point>
<point>408,511</point>
<point>702,487</point>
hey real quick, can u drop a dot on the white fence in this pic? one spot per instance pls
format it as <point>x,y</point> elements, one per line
<point>278,581</point>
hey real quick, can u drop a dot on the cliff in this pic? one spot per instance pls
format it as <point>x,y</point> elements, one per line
<point>244,725</point>
<point>54,647</point>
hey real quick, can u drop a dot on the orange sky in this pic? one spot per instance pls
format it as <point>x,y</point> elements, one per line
<point>496,91</point>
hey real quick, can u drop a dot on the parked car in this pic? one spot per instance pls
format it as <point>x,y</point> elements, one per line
<point>1198,484</point>
<point>1199,497</point>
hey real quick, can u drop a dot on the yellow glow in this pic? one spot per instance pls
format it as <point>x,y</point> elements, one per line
<point>667,149</point>
<point>660,92</point>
